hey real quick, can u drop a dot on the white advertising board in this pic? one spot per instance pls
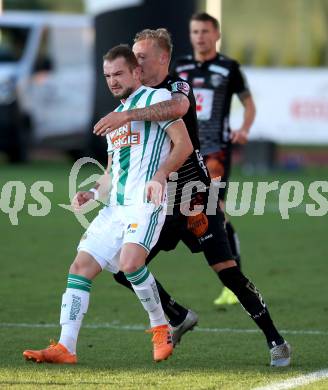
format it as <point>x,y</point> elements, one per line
<point>291,105</point>
<point>98,6</point>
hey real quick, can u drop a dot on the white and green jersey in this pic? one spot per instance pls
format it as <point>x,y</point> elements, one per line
<point>137,148</point>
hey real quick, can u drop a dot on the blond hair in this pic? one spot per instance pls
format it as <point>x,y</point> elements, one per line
<point>161,36</point>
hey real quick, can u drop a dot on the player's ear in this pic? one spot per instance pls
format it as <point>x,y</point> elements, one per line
<point>163,58</point>
<point>137,73</point>
<point>218,35</point>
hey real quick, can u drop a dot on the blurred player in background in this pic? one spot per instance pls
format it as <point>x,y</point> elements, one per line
<point>215,78</point>
<point>140,157</point>
<point>204,232</point>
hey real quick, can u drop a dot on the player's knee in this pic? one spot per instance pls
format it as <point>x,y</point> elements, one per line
<point>84,265</point>
<point>128,265</point>
<point>131,260</point>
<point>233,279</point>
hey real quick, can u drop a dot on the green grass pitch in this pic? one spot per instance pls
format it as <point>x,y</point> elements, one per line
<point>286,259</point>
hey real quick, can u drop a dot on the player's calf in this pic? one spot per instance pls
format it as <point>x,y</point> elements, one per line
<point>252,301</point>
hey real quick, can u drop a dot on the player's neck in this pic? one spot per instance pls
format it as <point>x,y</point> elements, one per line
<point>132,94</point>
<point>202,57</point>
<point>157,79</point>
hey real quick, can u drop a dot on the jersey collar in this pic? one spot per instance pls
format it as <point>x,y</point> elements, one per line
<point>207,61</point>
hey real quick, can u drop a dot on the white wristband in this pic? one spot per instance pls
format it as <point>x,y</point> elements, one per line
<point>96,193</point>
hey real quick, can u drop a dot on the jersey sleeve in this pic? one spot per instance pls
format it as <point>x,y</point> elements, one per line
<point>239,81</point>
<point>181,86</point>
<point>162,95</point>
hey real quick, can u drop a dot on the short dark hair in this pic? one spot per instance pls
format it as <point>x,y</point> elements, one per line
<point>205,17</point>
<point>123,51</point>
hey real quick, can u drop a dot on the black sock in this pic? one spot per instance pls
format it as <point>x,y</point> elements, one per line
<point>233,242</point>
<point>252,301</point>
<point>175,312</point>
<point>121,279</point>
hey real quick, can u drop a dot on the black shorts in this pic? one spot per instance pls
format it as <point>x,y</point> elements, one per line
<point>201,233</point>
<point>219,164</point>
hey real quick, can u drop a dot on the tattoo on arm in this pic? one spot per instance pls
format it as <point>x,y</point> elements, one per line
<point>157,112</point>
<point>163,111</point>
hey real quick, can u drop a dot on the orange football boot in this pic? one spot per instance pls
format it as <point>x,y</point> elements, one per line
<point>55,353</point>
<point>162,341</point>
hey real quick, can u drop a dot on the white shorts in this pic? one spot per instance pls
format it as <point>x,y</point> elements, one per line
<point>117,225</point>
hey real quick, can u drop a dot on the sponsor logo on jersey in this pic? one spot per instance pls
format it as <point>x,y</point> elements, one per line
<point>198,224</point>
<point>202,239</point>
<point>198,81</point>
<point>123,137</point>
<point>181,86</point>
<point>216,80</point>
<point>200,160</point>
<point>185,67</point>
<point>132,227</point>
<point>199,103</point>
<point>204,103</point>
<point>219,69</point>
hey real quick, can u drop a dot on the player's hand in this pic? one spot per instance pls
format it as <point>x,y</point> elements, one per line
<point>110,122</point>
<point>155,189</point>
<point>81,198</point>
<point>239,136</point>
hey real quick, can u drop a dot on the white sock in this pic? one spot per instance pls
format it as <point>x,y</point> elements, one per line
<point>144,286</point>
<point>74,306</point>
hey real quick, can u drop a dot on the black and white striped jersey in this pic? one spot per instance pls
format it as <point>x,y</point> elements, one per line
<point>192,177</point>
<point>214,82</point>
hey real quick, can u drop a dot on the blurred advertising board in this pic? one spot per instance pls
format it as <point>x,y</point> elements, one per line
<point>292,105</point>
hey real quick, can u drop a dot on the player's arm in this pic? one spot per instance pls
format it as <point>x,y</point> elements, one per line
<point>240,136</point>
<point>241,88</point>
<point>100,189</point>
<point>180,151</point>
<point>177,107</point>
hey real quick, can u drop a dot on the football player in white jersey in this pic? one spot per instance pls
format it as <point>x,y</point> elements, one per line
<point>141,155</point>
